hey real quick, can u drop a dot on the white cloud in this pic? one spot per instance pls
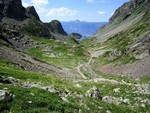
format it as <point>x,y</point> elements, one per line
<point>60,12</point>
<point>47,14</point>
<point>35,3</point>
<point>25,4</point>
<point>94,1</point>
<point>39,2</point>
<point>101,12</point>
<point>40,5</point>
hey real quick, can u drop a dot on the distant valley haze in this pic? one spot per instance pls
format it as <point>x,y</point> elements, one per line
<point>86,29</point>
<point>80,16</point>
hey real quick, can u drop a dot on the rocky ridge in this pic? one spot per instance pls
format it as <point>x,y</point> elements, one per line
<point>12,13</point>
<point>125,10</point>
<point>12,9</point>
<point>56,27</point>
<point>30,11</point>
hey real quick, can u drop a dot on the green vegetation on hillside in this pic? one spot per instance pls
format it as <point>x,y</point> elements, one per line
<point>67,78</point>
<point>31,100</point>
<point>62,54</point>
<point>34,27</point>
<point>118,47</point>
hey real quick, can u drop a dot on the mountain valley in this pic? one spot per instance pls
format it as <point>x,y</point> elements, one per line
<point>45,70</point>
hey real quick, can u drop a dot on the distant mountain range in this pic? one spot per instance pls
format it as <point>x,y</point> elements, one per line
<point>82,27</point>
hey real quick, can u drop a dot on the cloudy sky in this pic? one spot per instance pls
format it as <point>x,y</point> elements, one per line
<point>66,10</point>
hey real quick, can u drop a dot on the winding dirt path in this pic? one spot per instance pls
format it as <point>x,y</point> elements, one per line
<point>79,71</point>
<point>87,64</point>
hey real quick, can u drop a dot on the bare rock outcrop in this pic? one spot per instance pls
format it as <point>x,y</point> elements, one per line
<point>6,96</point>
<point>75,35</point>
<point>125,10</point>
<point>30,11</point>
<point>94,93</point>
<point>56,27</point>
<point>12,9</point>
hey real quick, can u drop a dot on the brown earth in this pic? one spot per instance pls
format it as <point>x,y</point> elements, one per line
<point>137,69</point>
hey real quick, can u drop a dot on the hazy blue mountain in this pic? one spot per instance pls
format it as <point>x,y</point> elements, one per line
<point>82,27</point>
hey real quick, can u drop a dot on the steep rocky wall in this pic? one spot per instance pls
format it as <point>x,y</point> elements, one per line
<point>12,9</point>
<point>125,10</point>
<point>30,11</point>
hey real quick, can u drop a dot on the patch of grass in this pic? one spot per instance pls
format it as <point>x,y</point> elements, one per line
<point>88,42</point>
<point>116,77</point>
<point>95,106</point>
<point>86,73</point>
<point>9,70</point>
<point>59,53</point>
<point>118,60</point>
<point>145,79</point>
<point>43,40</point>
<point>42,101</point>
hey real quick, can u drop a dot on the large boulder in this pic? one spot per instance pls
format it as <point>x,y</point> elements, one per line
<point>2,94</point>
<point>94,93</point>
<point>9,80</point>
<point>75,35</point>
<point>5,96</point>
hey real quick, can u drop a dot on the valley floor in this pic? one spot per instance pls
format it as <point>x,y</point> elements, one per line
<point>78,89</point>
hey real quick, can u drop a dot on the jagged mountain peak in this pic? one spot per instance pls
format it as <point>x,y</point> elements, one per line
<point>30,11</point>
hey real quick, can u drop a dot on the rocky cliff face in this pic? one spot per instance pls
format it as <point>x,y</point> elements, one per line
<point>125,10</point>
<point>30,11</point>
<point>124,17</point>
<point>12,9</point>
<point>13,15</point>
<point>19,24</point>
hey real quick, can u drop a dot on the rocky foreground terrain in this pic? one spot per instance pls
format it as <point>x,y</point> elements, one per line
<point>45,70</point>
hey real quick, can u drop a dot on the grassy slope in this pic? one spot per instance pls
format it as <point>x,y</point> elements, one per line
<point>121,42</point>
<point>44,101</point>
<point>59,53</point>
